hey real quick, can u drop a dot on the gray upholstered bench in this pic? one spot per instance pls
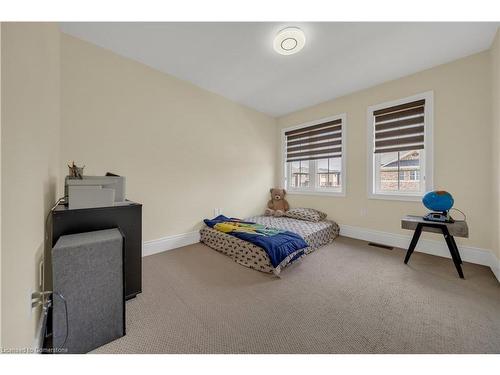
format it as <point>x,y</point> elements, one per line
<point>89,295</point>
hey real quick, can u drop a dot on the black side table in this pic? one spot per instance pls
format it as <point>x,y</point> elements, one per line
<point>458,228</point>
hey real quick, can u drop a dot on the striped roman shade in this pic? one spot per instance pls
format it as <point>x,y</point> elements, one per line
<point>315,142</point>
<point>400,128</point>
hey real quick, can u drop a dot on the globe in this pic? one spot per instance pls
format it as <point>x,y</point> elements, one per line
<point>438,200</point>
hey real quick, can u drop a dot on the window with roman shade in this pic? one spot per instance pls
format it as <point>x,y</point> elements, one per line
<point>313,155</point>
<point>400,145</point>
<point>400,128</point>
<point>315,142</point>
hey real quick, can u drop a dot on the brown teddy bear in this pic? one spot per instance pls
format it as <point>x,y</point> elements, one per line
<point>278,205</point>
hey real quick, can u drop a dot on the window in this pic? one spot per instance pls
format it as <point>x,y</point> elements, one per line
<point>328,172</point>
<point>400,148</point>
<point>314,157</point>
<point>299,174</point>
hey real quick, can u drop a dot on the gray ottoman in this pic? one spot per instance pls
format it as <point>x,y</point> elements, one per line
<point>87,273</point>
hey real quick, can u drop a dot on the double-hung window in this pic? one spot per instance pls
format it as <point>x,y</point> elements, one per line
<point>314,157</point>
<point>400,148</point>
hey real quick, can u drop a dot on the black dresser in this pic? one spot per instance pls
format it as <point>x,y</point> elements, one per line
<point>126,217</point>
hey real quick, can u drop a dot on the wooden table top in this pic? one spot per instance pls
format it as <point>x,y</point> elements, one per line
<point>459,228</point>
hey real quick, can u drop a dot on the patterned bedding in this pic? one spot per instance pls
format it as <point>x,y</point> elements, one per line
<point>316,234</point>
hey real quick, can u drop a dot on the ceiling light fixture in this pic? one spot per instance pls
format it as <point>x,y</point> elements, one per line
<point>289,41</point>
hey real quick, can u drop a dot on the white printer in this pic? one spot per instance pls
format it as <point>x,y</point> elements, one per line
<point>94,191</point>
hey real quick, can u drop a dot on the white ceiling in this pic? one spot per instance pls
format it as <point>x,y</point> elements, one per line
<point>237,60</point>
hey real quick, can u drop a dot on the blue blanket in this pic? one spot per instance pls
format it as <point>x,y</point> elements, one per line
<point>277,243</point>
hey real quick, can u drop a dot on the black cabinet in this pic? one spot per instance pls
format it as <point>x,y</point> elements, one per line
<point>126,217</point>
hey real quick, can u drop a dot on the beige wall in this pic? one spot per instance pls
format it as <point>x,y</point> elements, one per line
<point>184,151</point>
<point>30,138</point>
<point>0,185</point>
<point>495,71</point>
<point>462,130</point>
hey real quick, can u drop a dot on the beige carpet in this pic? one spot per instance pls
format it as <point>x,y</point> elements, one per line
<point>347,297</point>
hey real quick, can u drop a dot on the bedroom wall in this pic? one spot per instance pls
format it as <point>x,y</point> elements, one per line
<point>30,138</point>
<point>0,185</point>
<point>183,150</point>
<point>495,73</point>
<point>462,162</point>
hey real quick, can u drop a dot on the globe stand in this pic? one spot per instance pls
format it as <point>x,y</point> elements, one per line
<point>440,217</point>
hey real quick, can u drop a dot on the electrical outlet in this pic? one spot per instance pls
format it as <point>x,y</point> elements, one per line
<point>30,302</point>
<point>216,211</point>
<point>363,211</point>
<point>36,299</point>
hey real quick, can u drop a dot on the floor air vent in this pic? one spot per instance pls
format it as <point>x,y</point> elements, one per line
<point>380,245</point>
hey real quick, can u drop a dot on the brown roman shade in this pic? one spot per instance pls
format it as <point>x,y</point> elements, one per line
<point>314,142</point>
<point>400,128</point>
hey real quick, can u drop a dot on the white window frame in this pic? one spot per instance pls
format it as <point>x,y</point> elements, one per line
<point>313,190</point>
<point>427,169</point>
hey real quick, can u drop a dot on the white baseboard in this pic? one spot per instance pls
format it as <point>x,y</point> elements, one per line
<point>433,247</point>
<point>169,243</point>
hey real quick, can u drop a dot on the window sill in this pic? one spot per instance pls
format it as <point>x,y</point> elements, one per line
<point>315,192</point>
<point>396,197</point>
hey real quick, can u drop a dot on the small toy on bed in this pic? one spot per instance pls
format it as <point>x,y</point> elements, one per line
<point>278,205</point>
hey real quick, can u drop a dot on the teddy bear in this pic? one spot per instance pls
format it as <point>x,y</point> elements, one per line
<point>278,205</point>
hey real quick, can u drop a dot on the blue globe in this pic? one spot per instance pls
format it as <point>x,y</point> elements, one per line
<point>438,200</point>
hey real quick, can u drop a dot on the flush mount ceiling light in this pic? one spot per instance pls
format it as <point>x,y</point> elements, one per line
<point>289,41</point>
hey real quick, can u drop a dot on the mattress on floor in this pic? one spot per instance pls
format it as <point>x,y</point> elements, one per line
<point>249,255</point>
